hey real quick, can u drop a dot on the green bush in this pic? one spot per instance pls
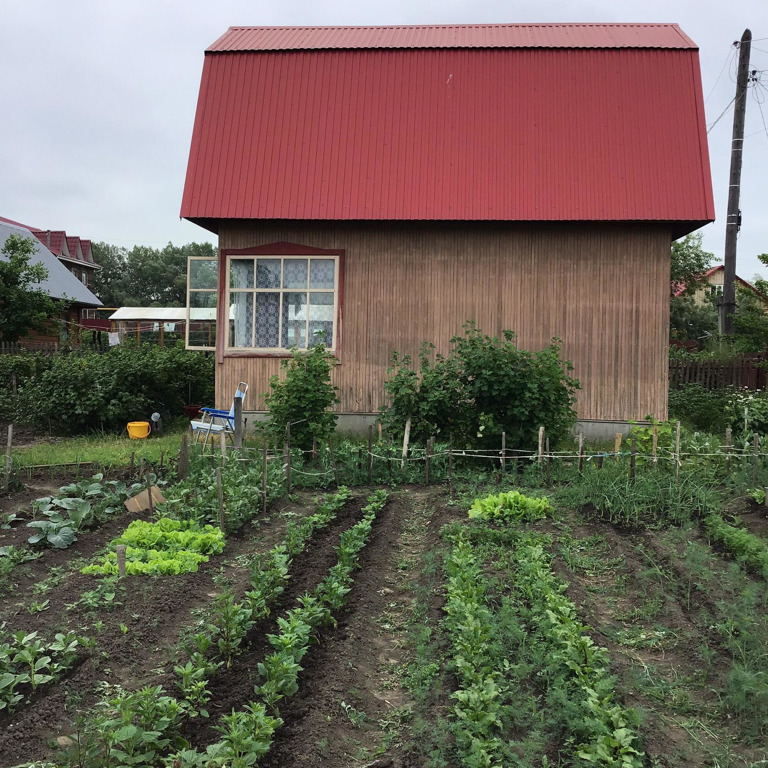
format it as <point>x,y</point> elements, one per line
<point>699,408</point>
<point>483,387</point>
<point>302,398</point>
<point>86,391</point>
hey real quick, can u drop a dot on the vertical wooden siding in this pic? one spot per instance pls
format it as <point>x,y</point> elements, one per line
<point>602,289</point>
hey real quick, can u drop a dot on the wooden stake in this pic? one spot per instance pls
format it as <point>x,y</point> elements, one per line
<point>314,448</point>
<point>238,416</point>
<point>379,425</point>
<point>149,495</point>
<point>220,495</point>
<point>426,463</point>
<point>141,469</point>
<point>655,448</point>
<point>7,471</point>
<point>503,451</point>
<point>755,459</point>
<point>632,449</point>
<point>581,452</point>
<point>450,458</point>
<point>728,433</point>
<point>617,445</point>
<point>223,446</point>
<point>549,458</point>
<point>677,450</point>
<point>120,552</point>
<point>333,464</point>
<point>287,452</point>
<point>600,460</point>
<point>765,493</point>
<point>264,479</point>
<point>406,437</point>
<point>133,462</point>
<point>370,452</point>
<point>541,445</point>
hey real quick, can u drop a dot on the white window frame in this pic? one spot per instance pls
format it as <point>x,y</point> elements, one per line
<point>283,258</point>
<point>215,290</point>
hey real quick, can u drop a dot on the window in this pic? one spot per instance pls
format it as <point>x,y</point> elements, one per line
<point>716,290</point>
<point>278,302</point>
<point>202,280</point>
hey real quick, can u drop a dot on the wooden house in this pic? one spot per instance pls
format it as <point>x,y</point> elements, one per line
<point>711,288</point>
<point>379,186</point>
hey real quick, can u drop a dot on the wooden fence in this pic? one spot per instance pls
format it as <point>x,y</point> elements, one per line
<point>747,372</point>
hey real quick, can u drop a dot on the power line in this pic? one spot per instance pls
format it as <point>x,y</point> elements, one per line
<point>722,114</point>
<point>728,58</point>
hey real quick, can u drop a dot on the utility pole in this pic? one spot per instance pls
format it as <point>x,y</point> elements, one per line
<point>732,223</point>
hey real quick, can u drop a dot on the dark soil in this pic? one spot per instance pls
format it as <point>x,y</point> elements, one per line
<point>137,638</point>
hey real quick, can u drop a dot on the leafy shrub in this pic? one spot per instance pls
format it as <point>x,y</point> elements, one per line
<point>166,547</point>
<point>509,505</point>
<point>699,408</point>
<point>483,387</point>
<point>85,391</point>
<point>747,411</point>
<point>302,398</point>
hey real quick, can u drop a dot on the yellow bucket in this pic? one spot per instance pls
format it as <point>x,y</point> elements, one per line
<point>138,430</point>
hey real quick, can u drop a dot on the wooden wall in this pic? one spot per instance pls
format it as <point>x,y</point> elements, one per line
<point>603,289</point>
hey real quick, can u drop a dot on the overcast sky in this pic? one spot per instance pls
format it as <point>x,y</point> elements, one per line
<point>98,99</point>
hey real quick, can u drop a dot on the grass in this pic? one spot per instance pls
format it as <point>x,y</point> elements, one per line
<point>104,449</point>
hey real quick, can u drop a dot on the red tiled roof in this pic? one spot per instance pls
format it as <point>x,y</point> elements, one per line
<point>73,247</point>
<point>596,133</point>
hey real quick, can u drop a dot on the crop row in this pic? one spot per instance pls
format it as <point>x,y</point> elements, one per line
<point>247,734</point>
<point>748,550</point>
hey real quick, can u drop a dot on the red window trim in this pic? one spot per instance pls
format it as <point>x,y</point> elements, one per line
<point>271,249</point>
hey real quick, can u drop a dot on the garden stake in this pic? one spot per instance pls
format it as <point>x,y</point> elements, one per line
<point>141,468</point>
<point>600,461</point>
<point>314,448</point>
<point>503,451</point>
<point>220,494</point>
<point>728,433</point>
<point>264,480</point>
<point>238,441</point>
<point>632,459</point>
<point>120,552</point>
<point>548,461</point>
<point>162,458</point>
<point>450,458</point>
<point>541,445</point>
<point>406,437</point>
<point>765,494</point>
<point>182,470</point>
<point>333,464</point>
<point>581,452</point>
<point>370,452</point>
<point>655,442</point>
<point>677,450</point>
<point>7,473</point>
<point>223,446</point>
<point>287,453</point>
<point>617,445</point>
<point>755,459</point>
<point>149,495</point>
<point>426,465</point>
<point>133,462</point>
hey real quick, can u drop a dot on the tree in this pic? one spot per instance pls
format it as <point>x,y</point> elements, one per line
<point>24,305</point>
<point>689,262</point>
<point>144,276</point>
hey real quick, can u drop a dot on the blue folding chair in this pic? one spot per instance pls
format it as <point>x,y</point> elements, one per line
<point>218,422</point>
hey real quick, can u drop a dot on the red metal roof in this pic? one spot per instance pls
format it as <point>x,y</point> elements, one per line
<point>455,36</point>
<point>510,134</point>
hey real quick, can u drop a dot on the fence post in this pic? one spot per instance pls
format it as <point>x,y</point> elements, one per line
<point>333,463</point>
<point>617,445</point>
<point>220,496</point>
<point>7,471</point>
<point>238,423</point>
<point>149,495</point>
<point>120,552</point>
<point>541,445</point>
<point>223,446</point>
<point>581,452</point>
<point>406,437</point>
<point>426,463</point>
<point>287,458</point>
<point>264,478</point>
<point>182,467</point>
<point>755,459</point>
<point>450,458</point>
<point>677,450</point>
<point>548,462</point>
<point>370,452</point>
<point>503,451</point>
<point>314,448</point>
<point>728,433</point>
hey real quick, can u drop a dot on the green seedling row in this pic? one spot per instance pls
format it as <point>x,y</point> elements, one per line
<point>747,549</point>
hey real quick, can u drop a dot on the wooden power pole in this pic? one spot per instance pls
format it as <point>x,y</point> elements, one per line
<point>732,223</point>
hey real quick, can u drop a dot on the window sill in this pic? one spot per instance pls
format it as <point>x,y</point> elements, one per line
<point>279,353</point>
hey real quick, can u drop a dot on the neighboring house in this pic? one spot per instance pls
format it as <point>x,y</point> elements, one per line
<point>713,287</point>
<point>163,325</point>
<point>73,252</point>
<point>61,284</point>
<point>381,186</point>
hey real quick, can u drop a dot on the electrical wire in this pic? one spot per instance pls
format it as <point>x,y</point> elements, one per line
<point>728,58</point>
